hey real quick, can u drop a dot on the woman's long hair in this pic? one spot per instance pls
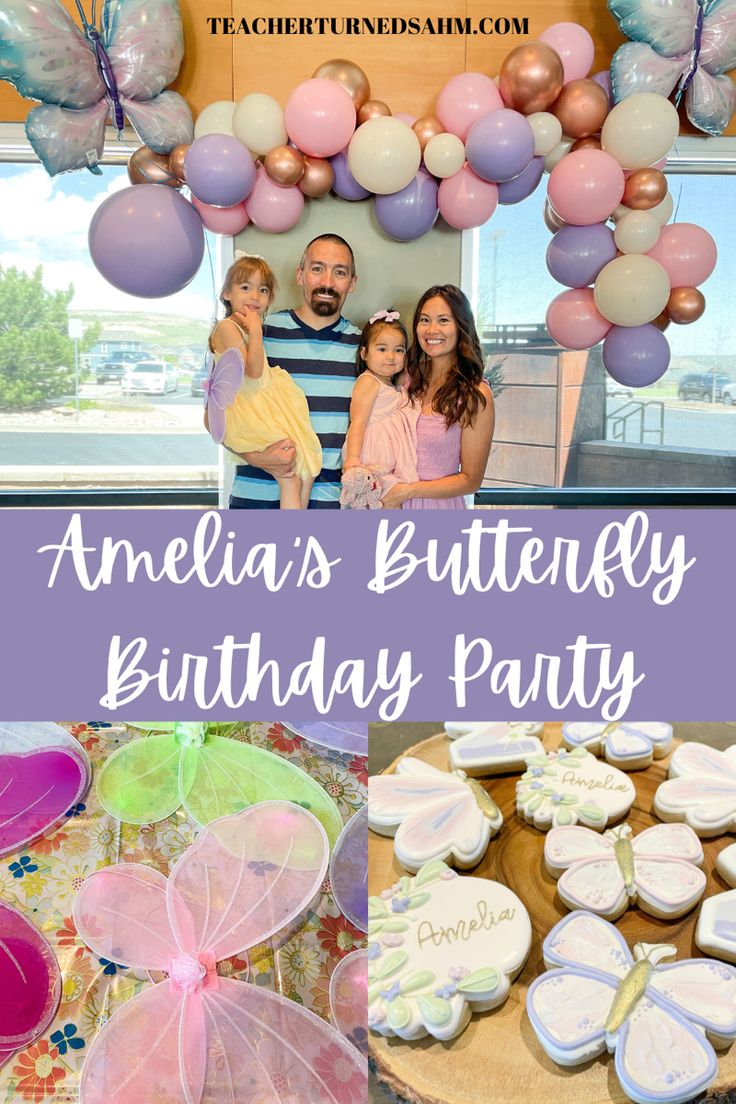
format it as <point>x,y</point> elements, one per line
<point>459,399</point>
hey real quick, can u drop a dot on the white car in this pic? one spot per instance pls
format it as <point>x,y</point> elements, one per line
<point>728,394</point>
<point>153,377</point>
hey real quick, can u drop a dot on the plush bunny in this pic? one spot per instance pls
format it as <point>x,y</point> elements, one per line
<point>361,489</point>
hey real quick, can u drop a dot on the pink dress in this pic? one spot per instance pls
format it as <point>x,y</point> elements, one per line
<point>388,445</point>
<point>438,454</point>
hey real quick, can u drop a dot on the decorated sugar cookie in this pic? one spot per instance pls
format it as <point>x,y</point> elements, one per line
<point>630,745</point>
<point>434,815</point>
<point>605,874</point>
<point>571,787</point>
<point>661,1020</point>
<point>440,947</point>
<point>498,747</point>
<point>726,864</point>
<point>716,930</point>
<point>701,789</point>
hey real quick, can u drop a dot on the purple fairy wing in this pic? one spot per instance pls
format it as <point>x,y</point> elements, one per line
<point>635,67</point>
<point>145,43</point>
<point>161,123</point>
<point>64,140</point>
<point>45,56</point>
<point>710,102</point>
<point>221,388</point>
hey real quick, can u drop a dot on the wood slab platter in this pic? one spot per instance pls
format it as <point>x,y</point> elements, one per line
<point>497,1057</point>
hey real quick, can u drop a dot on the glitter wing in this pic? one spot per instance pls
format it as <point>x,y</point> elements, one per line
<point>139,783</point>
<point>221,388</point>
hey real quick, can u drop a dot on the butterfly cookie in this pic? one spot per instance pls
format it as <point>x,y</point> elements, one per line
<point>493,747</point>
<point>630,745</point>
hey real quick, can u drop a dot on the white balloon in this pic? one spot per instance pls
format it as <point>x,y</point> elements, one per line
<point>557,153</point>
<point>631,290</point>
<point>384,155</point>
<point>258,121</point>
<point>547,132</point>
<point>663,211</point>
<point>216,118</point>
<point>640,130</point>
<point>444,155</point>
<point>636,232</point>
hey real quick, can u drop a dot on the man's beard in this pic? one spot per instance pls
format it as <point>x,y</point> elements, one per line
<point>324,307</point>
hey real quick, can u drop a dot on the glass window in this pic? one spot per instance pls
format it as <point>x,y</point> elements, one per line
<point>562,422</point>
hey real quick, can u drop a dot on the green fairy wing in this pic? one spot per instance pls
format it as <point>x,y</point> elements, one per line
<point>224,776</point>
<point>139,783</point>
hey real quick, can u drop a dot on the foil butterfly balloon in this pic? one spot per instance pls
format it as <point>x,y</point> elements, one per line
<point>663,1021</point>
<point>197,1036</point>
<point>683,45</point>
<point>212,776</point>
<point>83,77</point>
<point>220,389</point>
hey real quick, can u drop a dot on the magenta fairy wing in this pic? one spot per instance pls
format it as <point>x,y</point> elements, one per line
<point>37,789</point>
<point>30,982</point>
<point>145,43</point>
<point>66,140</point>
<point>44,54</point>
<point>161,123</point>
<point>221,388</point>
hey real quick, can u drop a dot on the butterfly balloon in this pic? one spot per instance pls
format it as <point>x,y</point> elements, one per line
<point>198,1036</point>
<point>662,1021</point>
<point>82,77</point>
<point>221,388</point>
<point>684,45</point>
<point>212,776</point>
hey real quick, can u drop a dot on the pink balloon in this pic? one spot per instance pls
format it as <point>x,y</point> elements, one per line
<point>465,200</point>
<point>271,207</point>
<point>573,320</point>
<point>465,98</point>
<point>586,186</point>
<point>222,220</point>
<point>320,117</point>
<point>575,47</point>
<point>686,252</point>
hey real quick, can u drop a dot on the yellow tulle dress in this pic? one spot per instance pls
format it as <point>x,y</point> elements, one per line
<point>268,409</point>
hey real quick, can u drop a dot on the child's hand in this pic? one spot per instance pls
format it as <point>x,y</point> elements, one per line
<point>250,321</point>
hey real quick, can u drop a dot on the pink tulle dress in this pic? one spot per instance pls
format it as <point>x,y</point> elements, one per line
<point>438,454</point>
<point>388,444</point>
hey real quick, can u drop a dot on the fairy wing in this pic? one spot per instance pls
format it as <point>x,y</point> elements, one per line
<point>20,736</point>
<point>45,55</point>
<point>570,843</point>
<point>139,783</point>
<point>222,387</point>
<point>349,997</point>
<point>223,776</point>
<point>37,789</point>
<point>349,870</point>
<point>145,43</point>
<point>30,982</point>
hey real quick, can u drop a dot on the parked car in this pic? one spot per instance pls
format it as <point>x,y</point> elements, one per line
<point>699,385</point>
<point>112,371</point>
<point>154,377</point>
<point>618,391</point>
<point>728,394</point>
<point>199,377</point>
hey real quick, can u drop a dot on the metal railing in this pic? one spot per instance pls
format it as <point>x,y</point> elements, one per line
<point>619,421</point>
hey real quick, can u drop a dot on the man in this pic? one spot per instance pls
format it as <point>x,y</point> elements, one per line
<point>318,347</point>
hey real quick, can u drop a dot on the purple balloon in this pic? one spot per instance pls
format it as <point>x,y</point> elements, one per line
<point>345,185</point>
<point>636,355</point>
<point>576,254</point>
<point>499,145</point>
<point>522,186</point>
<point>219,170</point>
<point>146,240</point>
<point>604,80</point>
<point>411,212</point>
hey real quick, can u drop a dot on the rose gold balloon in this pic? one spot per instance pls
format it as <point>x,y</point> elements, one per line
<point>531,77</point>
<point>552,220</point>
<point>685,305</point>
<point>147,167</point>
<point>581,107</point>
<point>284,165</point>
<point>644,189</point>
<point>350,76</point>
<point>662,320</point>
<point>372,109</point>
<point>176,161</point>
<point>319,176</point>
<point>426,127</point>
<point>585,143</point>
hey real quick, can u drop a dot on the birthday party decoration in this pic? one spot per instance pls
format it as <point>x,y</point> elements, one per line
<point>596,995</point>
<point>342,736</point>
<point>349,998</point>
<point>220,388</point>
<point>210,775</point>
<point>30,983</point>
<point>701,789</point>
<point>197,1035</point>
<point>630,745</point>
<point>570,787</point>
<point>349,870</point>
<point>485,747</point>
<point>118,69</point>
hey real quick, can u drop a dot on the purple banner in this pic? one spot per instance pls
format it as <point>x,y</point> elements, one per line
<point>378,615</point>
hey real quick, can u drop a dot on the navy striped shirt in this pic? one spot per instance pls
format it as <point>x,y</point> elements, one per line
<point>322,363</point>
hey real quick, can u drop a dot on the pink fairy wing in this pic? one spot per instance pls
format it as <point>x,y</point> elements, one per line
<point>44,54</point>
<point>145,43</point>
<point>263,1047</point>
<point>221,389</point>
<point>349,998</point>
<point>30,983</point>
<point>37,789</point>
<point>123,913</point>
<point>64,139</point>
<point>161,123</point>
<point>246,877</point>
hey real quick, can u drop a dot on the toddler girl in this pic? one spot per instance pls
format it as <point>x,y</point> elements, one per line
<point>269,406</point>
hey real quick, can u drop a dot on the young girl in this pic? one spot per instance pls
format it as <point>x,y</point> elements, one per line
<point>269,406</point>
<point>380,436</point>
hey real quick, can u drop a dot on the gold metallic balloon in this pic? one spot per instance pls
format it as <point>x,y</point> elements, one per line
<point>644,189</point>
<point>552,220</point>
<point>685,305</point>
<point>372,109</point>
<point>319,176</point>
<point>662,320</point>
<point>350,76</point>
<point>531,77</point>
<point>284,165</point>
<point>176,161</point>
<point>426,127</point>
<point>147,167</point>
<point>581,107</point>
<point>585,143</point>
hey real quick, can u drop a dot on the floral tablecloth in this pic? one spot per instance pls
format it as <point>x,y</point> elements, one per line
<point>43,879</point>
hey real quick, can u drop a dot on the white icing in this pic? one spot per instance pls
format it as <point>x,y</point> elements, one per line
<point>567,787</point>
<point>726,864</point>
<point>493,747</point>
<point>716,930</point>
<point>630,745</point>
<point>701,789</point>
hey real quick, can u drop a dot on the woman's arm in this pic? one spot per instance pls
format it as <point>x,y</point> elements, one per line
<point>475,446</point>
<point>362,402</point>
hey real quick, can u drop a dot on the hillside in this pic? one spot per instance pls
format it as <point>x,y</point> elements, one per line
<point>167,330</point>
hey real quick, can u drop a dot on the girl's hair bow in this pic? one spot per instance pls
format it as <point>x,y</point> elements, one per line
<point>384,316</point>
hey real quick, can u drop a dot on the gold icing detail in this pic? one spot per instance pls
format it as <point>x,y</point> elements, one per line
<point>570,778</point>
<point>462,931</point>
<point>483,800</point>
<point>624,853</point>
<point>630,990</point>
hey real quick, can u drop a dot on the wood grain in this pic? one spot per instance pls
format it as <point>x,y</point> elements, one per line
<point>498,1056</point>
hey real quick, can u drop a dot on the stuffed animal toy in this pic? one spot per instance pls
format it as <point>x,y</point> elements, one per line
<point>361,489</point>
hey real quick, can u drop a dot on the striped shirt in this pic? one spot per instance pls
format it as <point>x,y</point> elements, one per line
<point>322,363</point>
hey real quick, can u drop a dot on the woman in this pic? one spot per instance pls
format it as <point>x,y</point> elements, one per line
<point>451,406</point>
